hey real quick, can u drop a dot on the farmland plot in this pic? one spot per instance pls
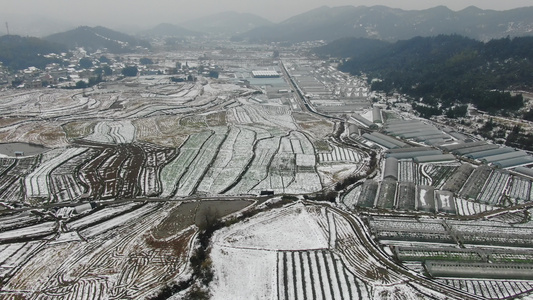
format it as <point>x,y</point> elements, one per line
<point>492,289</point>
<point>109,171</point>
<point>476,182</point>
<point>64,184</point>
<point>339,155</point>
<point>89,173</point>
<point>32,231</point>
<point>230,162</point>
<point>272,116</point>
<point>352,197</point>
<point>172,172</point>
<point>520,189</point>
<point>406,172</point>
<point>439,173</point>
<point>264,151</point>
<point>469,208</point>
<point>119,263</point>
<point>116,132</point>
<point>36,183</point>
<point>14,255</point>
<point>11,182</point>
<point>494,188</point>
<point>317,275</point>
<point>316,257</point>
<point>47,133</point>
<point>195,172</point>
<point>387,194</point>
<point>282,169</point>
<point>156,157</point>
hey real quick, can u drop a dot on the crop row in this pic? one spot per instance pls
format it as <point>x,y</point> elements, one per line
<point>494,188</point>
<point>232,158</point>
<point>316,275</point>
<point>339,155</point>
<point>520,189</point>
<point>475,182</point>
<point>406,172</point>
<point>491,289</point>
<point>36,183</point>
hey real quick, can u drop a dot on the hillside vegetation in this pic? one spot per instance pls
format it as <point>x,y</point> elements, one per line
<point>18,52</point>
<point>94,38</point>
<point>447,70</point>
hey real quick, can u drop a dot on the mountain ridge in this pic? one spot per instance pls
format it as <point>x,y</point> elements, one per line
<point>392,24</point>
<point>93,38</point>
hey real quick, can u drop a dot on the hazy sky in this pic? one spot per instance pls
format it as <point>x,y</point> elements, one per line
<point>148,13</point>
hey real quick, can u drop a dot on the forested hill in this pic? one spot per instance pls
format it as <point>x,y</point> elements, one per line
<point>18,52</point>
<point>350,47</point>
<point>447,69</point>
<point>94,38</point>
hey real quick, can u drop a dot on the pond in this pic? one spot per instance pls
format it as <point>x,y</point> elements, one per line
<point>21,149</point>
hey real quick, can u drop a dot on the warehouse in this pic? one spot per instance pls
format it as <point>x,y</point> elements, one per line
<point>434,158</point>
<point>376,115</point>
<point>479,270</point>
<point>384,140</point>
<point>420,133</point>
<point>436,142</point>
<point>505,156</point>
<point>481,154</point>
<point>514,162</point>
<point>391,168</point>
<point>524,171</point>
<point>474,149</point>
<point>363,121</point>
<point>265,74</point>
<point>379,141</point>
<point>411,149</point>
<point>424,137</point>
<point>453,147</point>
<point>413,154</point>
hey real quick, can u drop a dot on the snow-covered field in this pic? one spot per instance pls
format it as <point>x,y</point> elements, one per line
<point>299,252</point>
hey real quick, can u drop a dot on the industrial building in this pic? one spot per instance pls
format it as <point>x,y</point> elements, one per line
<point>452,147</point>
<point>265,74</point>
<point>413,154</point>
<point>363,121</point>
<point>376,115</point>
<point>513,162</point>
<point>524,171</point>
<point>479,270</point>
<point>391,168</point>
<point>481,154</point>
<point>384,140</point>
<point>434,158</point>
<point>505,156</point>
<point>464,151</point>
